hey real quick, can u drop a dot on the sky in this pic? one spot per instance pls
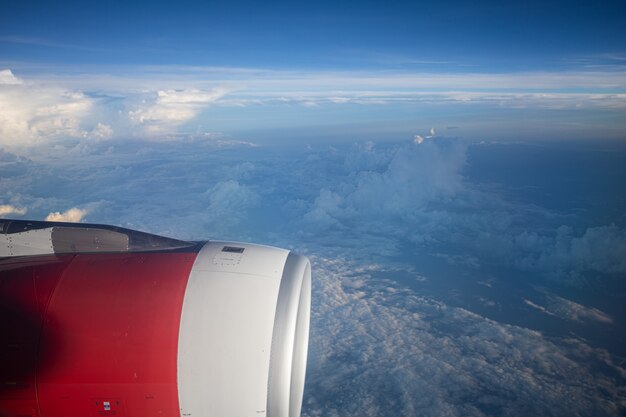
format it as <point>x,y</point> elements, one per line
<point>261,72</point>
<point>454,171</point>
<point>532,35</point>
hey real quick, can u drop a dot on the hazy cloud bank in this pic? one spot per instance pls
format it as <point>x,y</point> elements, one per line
<point>378,349</point>
<point>409,198</point>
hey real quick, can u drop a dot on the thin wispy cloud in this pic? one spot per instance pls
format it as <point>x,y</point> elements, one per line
<point>47,43</point>
<point>269,80</point>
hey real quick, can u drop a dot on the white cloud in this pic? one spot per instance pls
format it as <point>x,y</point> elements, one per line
<point>538,307</point>
<point>417,139</point>
<point>8,209</point>
<point>40,112</point>
<point>101,131</point>
<point>167,101</point>
<point>503,99</point>
<point>228,204</point>
<point>61,117</point>
<point>171,108</point>
<point>274,83</point>
<point>571,310</point>
<point>325,207</point>
<point>418,192</point>
<point>73,215</point>
<point>564,255</point>
<point>409,178</point>
<point>7,78</point>
<point>379,349</point>
<point>371,198</point>
<point>30,114</point>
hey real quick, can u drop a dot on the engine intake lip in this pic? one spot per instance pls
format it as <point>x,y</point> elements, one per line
<point>290,339</point>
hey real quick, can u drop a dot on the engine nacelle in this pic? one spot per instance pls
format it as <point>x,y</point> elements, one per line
<point>103,321</point>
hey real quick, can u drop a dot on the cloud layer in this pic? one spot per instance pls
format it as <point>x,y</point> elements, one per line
<point>441,287</point>
<point>417,192</point>
<point>169,102</point>
<point>378,349</point>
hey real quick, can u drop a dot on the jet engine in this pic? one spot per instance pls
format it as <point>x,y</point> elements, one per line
<point>98,320</point>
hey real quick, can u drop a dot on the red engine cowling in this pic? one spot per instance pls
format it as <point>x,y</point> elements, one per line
<point>104,321</point>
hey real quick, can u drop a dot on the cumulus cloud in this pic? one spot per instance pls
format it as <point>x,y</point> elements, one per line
<point>415,175</point>
<point>599,249</point>
<point>325,208</point>
<point>417,139</point>
<point>8,209</point>
<point>171,108</point>
<point>418,192</point>
<point>32,113</point>
<point>228,204</point>
<point>411,177</point>
<point>73,215</point>
<point>40,112</point>
<point>227,196</point>
<point>101,131</point>
<point>7,78</point>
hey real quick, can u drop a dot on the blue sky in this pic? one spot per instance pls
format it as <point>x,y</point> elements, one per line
<point>448,35</point>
